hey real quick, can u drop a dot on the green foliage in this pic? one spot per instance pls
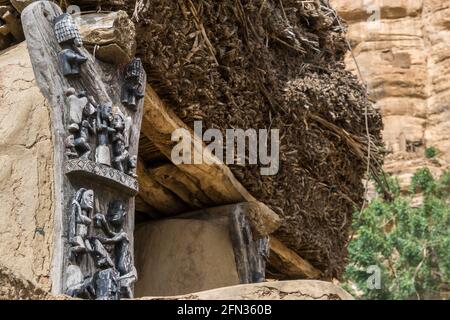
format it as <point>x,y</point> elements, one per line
<point>431,152</point>
<point>410,244</point>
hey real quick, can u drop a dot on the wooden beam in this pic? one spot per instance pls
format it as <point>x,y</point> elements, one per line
<point>149,153</point>
<point>144,207</point>
<point>212,177</point>
<point>157,196</point>
<point>216,180</point>
<point>178,182</point>
<point>288,263</point>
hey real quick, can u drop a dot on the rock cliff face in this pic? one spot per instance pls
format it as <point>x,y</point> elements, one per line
<point>403,52</point>
<point>26,171</point>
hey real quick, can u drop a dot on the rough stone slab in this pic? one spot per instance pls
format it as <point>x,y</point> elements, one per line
<point>111,35</point>
<point>281,290</point>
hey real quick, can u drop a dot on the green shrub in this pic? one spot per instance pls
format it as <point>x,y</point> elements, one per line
<point>410,245</point>
<point>431,152</point>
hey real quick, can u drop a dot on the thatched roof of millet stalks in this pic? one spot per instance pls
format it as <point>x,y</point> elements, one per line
<point>272,64</point>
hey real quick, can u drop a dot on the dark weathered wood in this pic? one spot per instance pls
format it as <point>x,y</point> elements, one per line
<point>289,264</point>
<point>11,24</point>
<point>215,181</point>
<point>104,83</point>
<point>144,207</point>
<point>249,252</point>
<point>182,185</point>
<point>157,195</point>
<point>149,153</point>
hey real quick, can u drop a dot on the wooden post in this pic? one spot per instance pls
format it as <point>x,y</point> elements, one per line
<point>79,228</point>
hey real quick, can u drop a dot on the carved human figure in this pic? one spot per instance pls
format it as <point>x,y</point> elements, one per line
<point>113,228</point>
<point>120,153</point>
<point>76,106</point>
<point>105,282</point>
<point>80,219</point>
<point>68,36</point>
<point>77,285</point>
<point>81,114</point>
<point>71,151</point>
<point>81,137</point>
<point>132,165</point>
<point>133,87</point>
<point>104,130</point>
<point>102,285</point>
<point>119,150</point>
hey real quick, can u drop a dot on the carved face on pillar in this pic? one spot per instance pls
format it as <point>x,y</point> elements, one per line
<point>116,213</point>
<point>118,122</point>
<point>66,30</point>
<point>87,200</point>
<point>106,113</point>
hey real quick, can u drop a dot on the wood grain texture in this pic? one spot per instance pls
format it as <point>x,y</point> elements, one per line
<point>157,196</point>
<point>103,82</point>
<point>288,263</point>
<point>215,180</point>
<point>182,185</point>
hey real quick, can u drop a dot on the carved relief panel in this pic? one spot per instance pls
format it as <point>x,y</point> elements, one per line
<point>96,117</point>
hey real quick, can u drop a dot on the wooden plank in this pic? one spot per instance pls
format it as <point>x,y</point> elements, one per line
<point>182,185</point>
<point>149,153</point>
<point>216,180</point>
<point>156,195</point>
<point>144,207</point>
<point>288,263</point>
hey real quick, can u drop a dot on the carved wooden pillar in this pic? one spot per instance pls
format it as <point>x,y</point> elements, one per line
<point>96,118</point>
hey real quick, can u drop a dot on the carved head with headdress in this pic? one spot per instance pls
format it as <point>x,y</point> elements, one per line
<point>66,30</point>
<point>116,213</point>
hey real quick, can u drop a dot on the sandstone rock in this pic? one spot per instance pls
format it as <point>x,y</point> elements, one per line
<point>282,290</point>
<point>403,57</point>
<point>111,35</point>
<point>26,171</point>
<point>362,9</point>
